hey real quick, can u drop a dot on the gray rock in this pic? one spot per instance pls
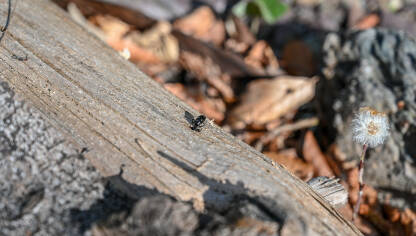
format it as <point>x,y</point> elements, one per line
<point>375,68</point>
<point>162,215</point>
<point>42,178</point>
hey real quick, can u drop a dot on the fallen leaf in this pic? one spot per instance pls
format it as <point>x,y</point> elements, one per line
<point>93,7</point>
<point>241,32</point>
<point>158,41</point>
<point>202,24</point>
<point>236,46</point>
<point>333,156</point>
<point>230,63</point>
<point>408,219</point>
<point>261,56</point>
<point>206,70</point>
<point>113,28</point>
<point>313,155</point>
<point>368,22</point>
<point>362,224</point>
<point>266,100</point>
<point>392,213</point>
<point>137,53</point>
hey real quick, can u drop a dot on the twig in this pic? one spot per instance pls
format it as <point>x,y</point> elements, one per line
<point>9,13</point>
<point>361,182</point>
<point>302,124</point>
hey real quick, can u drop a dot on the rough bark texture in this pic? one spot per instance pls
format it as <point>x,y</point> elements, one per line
<point>122,117</point>
<point>41,176</point>
<point>375,68</point>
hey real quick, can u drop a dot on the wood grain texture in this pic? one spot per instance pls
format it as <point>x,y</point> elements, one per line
<point>104,102</point>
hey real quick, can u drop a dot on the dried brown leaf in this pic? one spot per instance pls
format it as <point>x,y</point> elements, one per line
<point>267,100</point>
<point>393,214</point>
<point>313,154</point>
<point>240,32</point>
<point>408,219</point>
<point>113,28</point>
<point>93,7</point>
<point>236,46</point>
<point>159,41</point>
<point>206,70</point>
<point>261,56</point>
<point>362,224</point>
<point>367,22</point>
<point>230,63</point>
<point>202,24</point>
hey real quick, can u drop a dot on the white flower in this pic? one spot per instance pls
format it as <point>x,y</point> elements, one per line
<point>370,127</point>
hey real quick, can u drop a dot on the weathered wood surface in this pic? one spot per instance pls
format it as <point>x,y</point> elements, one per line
<point>104,103</point>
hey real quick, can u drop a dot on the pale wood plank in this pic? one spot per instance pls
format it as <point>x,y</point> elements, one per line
<point>106,104</point>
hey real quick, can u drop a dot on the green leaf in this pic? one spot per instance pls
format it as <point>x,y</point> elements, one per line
<point>271,10</point>
<point>268,10</point>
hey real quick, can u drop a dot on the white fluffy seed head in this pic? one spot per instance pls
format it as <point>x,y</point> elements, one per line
<point>370,127</point>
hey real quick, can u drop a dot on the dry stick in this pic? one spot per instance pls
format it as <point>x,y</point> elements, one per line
<point>9,13</point>
<point>302,124</point>
<point>361,182</point>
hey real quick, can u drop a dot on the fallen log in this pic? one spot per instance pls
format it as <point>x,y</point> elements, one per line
<point>123,118</point>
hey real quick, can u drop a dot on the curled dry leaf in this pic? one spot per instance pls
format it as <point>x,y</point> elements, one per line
<point>241,37</point>
<point>235,46</point>
<point>113,28</point>
<point>363,225</point>
<point>367,22</point>
<point>266,100</point>
<point>112,31</point>
<point>241,32</point>
<point>408,219</point>
<point>393,214</point>
<point>158,41</point>
<point>206,70</point>
<point>202,24</point>
<point>230,63</point>
<point>312,153</point>
<point>261,56</point>
<point>94,7</point>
